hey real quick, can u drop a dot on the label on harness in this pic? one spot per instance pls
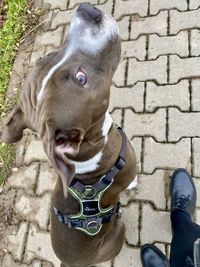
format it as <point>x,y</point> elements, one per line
<point>90,208</point>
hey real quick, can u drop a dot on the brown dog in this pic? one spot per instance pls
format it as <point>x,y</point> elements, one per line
<point>65,99</point>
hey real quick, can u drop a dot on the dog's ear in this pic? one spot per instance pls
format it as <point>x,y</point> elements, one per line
<point>13,126</point>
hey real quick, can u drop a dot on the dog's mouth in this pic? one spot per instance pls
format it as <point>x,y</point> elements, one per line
<point>68,142</point>
<point>91,29</point>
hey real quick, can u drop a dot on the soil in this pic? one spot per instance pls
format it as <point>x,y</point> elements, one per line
<point>8,217</point>
<point>2,13</point>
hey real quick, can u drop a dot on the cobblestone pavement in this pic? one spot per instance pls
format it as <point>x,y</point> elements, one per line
<point>155,97</point>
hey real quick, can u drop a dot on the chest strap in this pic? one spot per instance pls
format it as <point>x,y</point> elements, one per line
<point>91,216</point>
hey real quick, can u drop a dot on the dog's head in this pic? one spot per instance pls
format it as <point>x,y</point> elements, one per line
<point>68,91</point>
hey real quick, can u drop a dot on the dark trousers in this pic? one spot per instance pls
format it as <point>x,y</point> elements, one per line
<point>185,233</point>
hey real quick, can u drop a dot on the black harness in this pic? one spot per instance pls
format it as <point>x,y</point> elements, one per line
<point>91,216</point>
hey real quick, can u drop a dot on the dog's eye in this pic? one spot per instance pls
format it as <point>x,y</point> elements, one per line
<point>81,77</point>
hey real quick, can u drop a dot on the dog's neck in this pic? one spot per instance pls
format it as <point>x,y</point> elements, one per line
<point>98,151</point>
<point>91,150</point>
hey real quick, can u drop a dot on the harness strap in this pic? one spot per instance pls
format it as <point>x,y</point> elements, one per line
<point>77,223</point>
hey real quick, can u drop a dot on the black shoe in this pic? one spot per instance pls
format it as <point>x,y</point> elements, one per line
<point>183,192</point>
<point>151,256</point>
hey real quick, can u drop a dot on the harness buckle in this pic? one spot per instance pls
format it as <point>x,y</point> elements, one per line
<point>89,192</point>
<point>120,163</point>
<point>92,223</point>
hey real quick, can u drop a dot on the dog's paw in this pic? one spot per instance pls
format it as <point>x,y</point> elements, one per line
<point>133,184</point>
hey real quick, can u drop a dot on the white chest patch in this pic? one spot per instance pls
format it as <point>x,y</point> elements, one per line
<point>89,165</point>
<point>93,163</point>
<point>106,126</point>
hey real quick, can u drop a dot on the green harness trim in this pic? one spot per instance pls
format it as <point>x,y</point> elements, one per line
<point>91,216</point>
<point>89,202</point>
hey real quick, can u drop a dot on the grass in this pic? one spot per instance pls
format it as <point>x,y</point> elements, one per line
<point>9,36</point>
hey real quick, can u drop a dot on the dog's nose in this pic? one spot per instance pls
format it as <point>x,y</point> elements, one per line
<point>90,13</point>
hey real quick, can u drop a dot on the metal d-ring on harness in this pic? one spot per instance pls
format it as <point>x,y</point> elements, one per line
<point>91,216</point>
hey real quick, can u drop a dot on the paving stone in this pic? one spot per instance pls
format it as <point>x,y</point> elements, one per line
<point>155,226</point>
<point>8,261</point>
<point>106,6</point>
<point>124,27</point>
<point>183,68</point>
<point>46,179</point>
<point>39,246</point>
<point>137,145</point>
<point>160,246</point>
<point>49,49</point>
<point>194,4</point>
<point>151,70</point>
<point>168,95</point>
<point>73,3</point>
<point>135,48</point>
<point>127,7</point>
<point>183,124</point>
<point>128,195</point>
<point>197,216</point>
<point>146,124</point>
<point>168,45</point>
<point>152,188</point>
<point>117,116</point>
<point>24,178</point>
<point>196,156</point>
<point>19,68</point>
<point>34,209</point>
<point>127,97</point>
<point>119,76</point>
<point>39,53</point>
<point>154,24</point>
<point>166,155</point>
<point>130,217</point>
<point>65,32</point>
<point>61,18</point>
<point>195,95</point>
<point>34,152</point>
<point>129,256</point>
<point>195,42</point>
<point>20,148</point>
<point>16,241</point>
<point>183,20</point>
<point>52,38</point>
<point>156,6</point>
<point>54,4</point>
<point>197,185</point>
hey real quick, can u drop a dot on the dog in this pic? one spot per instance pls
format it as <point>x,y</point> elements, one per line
<point>65,99</point>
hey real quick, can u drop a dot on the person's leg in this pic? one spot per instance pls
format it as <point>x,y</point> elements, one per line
<point>185,232</point>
